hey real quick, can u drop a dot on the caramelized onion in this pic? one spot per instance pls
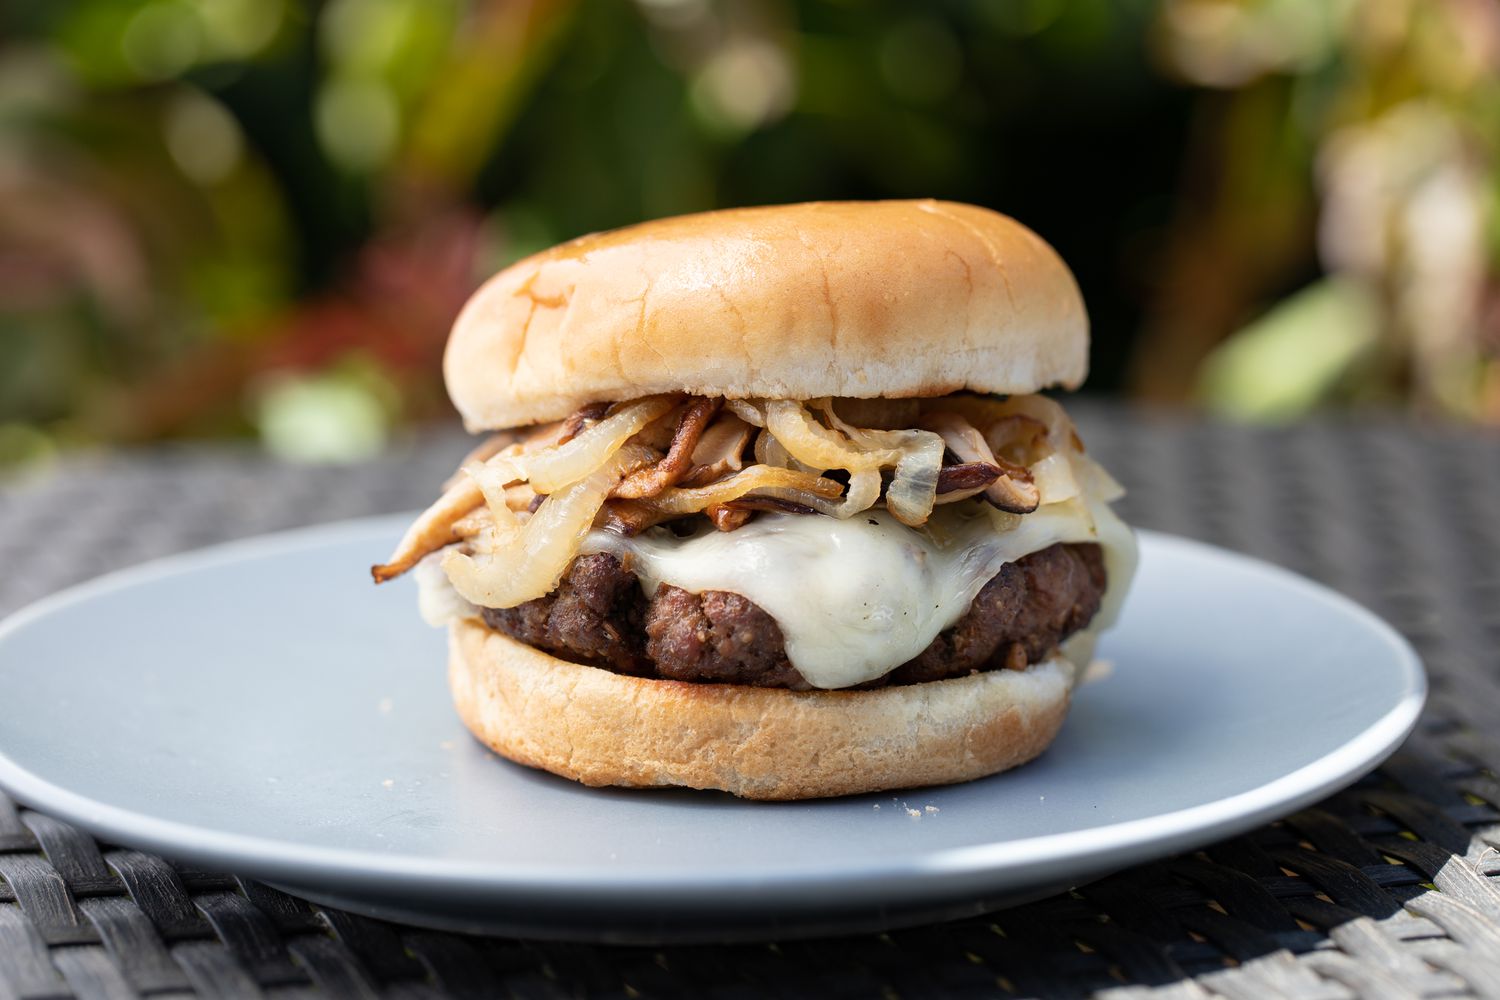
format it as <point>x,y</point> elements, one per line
<point>769,451</point>
<point>918,456</point>
<point>913,489</point>
<point>1014,426</point>
<point>473,522</point>
<point>433,529</point>
<point>483,452</point>
<point>524,506</point>
<point>720,451</point>
<point>1054,478</point>
<point>862,493</point>
<point>578,418</point>
<point>1018,436</point>
<point>517,561</point>
<point>674,465</point>
<point>1013,490</point>
<point>551,470</point>
<point>681,500</point>
<point>809,442</point>
<point>1060,432</point>
<point>747,411</point>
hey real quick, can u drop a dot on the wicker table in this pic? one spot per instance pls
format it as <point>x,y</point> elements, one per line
<point>1385,890</point>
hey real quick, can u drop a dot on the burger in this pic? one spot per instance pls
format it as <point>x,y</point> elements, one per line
<point>771,503</point>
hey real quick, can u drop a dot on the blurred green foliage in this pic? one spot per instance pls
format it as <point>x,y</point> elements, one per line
<point>1364,137</point>
<point>259,217</point>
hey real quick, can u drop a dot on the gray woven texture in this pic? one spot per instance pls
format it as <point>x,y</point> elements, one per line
<point>1385,890</point>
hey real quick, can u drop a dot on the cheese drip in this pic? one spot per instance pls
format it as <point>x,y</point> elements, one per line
<point>856,598</point>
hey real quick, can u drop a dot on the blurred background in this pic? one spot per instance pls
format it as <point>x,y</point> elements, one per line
<point>257,218</point>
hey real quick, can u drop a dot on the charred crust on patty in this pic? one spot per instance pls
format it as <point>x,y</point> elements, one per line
<point>599,616</point>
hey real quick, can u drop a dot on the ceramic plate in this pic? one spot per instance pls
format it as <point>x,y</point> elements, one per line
<point>261,708</point>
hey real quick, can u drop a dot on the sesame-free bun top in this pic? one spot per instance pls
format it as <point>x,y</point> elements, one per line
<point>866,299</point>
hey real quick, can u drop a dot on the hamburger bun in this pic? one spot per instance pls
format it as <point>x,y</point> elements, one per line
<point>602,728</point>
<point>861,299</point>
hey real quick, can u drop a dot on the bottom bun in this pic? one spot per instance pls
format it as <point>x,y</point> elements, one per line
<point>603,728</point>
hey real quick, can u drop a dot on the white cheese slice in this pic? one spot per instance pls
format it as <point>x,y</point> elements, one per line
<point>856,598</point>
<point>438,601</point>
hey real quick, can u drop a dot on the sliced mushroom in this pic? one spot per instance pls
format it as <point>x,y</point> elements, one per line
<point>678,460</point>
<point>775,505</point>
<point>966,476</point>
<point>630,517</point>
<point>579,419</point>
<point>658,434</point>
<point>720,451</point>
<point>526,440</point>
<point>1013,490</point>
<point>458,514</point>
<point>433,529</point>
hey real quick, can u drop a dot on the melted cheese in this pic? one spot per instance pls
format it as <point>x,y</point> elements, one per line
<point>438,601</point>
<point>856,598</point>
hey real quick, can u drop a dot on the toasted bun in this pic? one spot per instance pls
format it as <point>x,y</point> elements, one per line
<point>602,728</point>
<point>866,299</point>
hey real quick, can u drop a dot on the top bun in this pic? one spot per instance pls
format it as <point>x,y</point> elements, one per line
<point>866,299</point>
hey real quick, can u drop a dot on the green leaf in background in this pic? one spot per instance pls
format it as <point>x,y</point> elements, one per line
<point>1293,357</point>
<point>339,415</point>
<point>215,214</point>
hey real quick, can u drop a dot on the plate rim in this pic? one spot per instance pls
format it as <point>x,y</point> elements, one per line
<point>983,866</point>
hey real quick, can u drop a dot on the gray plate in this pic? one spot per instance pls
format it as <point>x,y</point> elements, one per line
<point>261,708</point>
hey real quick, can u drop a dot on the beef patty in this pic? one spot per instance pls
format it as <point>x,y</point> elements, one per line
<point>600,616</point>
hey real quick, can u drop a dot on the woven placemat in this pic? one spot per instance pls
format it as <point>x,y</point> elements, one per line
<point>1384,890</point>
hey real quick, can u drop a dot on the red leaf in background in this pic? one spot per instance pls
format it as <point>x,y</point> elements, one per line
<point>395,307</point>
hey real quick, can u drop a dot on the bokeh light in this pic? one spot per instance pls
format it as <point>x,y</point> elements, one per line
<point>259,217</point>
